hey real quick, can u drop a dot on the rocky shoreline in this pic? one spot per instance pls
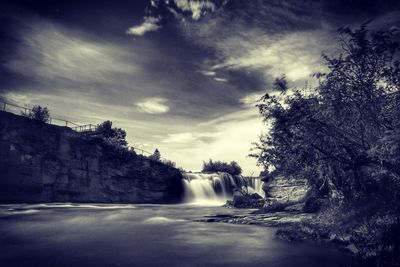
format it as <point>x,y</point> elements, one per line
<point>275,219</point>
<point>291,226</point>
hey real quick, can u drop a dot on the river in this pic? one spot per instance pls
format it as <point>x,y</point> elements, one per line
<point>145,235</point>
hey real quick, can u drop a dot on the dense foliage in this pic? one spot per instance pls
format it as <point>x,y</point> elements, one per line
<point>115,137</point>
<point>169,163</point>
<point>156,155</point>
<point>218,166</point>
<point>344,134</point>
<point>39,113</point>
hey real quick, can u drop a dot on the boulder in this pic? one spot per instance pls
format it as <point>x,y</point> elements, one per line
<point>247,201</point>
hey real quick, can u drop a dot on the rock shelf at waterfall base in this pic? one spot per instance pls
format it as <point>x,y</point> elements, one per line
<point>268,219</point>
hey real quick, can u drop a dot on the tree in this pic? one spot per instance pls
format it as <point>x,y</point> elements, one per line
<point>156,155</point>
<point>341,135</point>
<point>169,163</point>
<point>344,137</point>
<point>232,168</point>
<point>113,136</point>
<point>39,113</point>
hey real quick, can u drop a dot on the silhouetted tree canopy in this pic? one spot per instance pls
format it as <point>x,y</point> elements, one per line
<point>113,136</point>
<point>39,113</point>
<point>345,132</point>
<point>218,166</point>
<point>156,155</point>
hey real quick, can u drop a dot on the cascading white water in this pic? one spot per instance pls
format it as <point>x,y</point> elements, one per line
<point>203,188</point>
<point>255,186</point>
<point>216,188</point>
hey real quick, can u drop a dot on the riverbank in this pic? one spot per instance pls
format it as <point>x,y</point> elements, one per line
<point>371,239</point>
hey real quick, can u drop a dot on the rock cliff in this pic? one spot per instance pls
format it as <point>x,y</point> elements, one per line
<point>285,194</point>
<point>283,190</point>
<point>46,163</point>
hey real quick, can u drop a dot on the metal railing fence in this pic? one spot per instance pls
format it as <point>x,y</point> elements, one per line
<point>86,128</point>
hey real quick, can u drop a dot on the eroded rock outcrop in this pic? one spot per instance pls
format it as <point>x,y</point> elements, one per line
<point>47,163</point>
<point>284,193</point>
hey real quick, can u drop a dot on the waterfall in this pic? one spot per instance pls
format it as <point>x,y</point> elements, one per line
<point>216,188</point>
<point>255,185</point>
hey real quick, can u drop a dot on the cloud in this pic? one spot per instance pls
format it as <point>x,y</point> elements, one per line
<point>228,137</point>
<point>196,8</point>
<point>54,55</point>
<point>220,79</point>
<point>189,138</point>
<point>208,73</point>
<point>180,138</point>
<point>149,24</point>
<point>268,38</point>
<point>153,105</point>
<point>295,54</point>
<point>252,99</point>
<point>240,44</point>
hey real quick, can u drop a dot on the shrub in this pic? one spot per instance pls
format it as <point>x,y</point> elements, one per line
<point>377,240</point>
<point>156,155</point>
<point>218,166</point>
<point>169,163</point>
<point>115,137</point>
<point>39,113</point>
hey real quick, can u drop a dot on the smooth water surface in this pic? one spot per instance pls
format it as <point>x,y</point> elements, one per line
<point>145,235</point>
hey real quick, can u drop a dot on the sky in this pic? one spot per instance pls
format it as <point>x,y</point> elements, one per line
<point>178,75</point>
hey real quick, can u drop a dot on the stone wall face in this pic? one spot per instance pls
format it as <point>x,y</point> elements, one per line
<point>47,163</point>
<point>283,190</point>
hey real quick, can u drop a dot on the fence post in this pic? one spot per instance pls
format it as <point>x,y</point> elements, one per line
<point>5,106</point>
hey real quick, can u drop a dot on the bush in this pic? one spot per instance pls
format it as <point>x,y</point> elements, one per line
<point>377,240</point>
<point>156,155</point>
<point>39,113</point>
<point>169,163</point>
<point>218,166</point>
<point>115,137</point>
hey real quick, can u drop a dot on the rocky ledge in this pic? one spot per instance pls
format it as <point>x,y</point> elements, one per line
<point>263,219</point>
<point>282,194</point>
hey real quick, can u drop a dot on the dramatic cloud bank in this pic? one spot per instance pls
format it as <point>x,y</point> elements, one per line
<point>182,76</point>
